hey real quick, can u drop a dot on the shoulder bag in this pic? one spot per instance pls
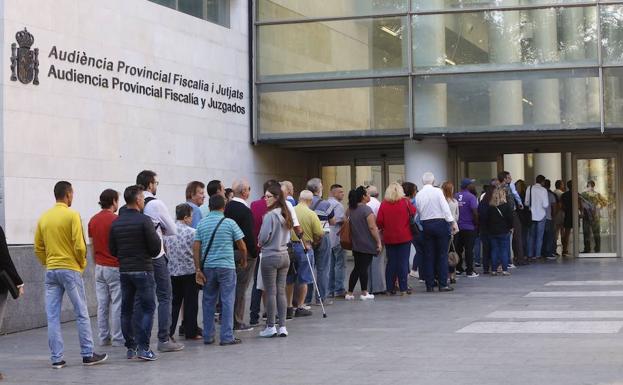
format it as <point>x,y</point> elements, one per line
<point>415,230</point>
<point>205,255</point>
<point>453,256</point>
<point>346,239</point>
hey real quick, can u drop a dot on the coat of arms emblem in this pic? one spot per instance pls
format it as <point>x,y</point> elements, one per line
<point>24,61</point>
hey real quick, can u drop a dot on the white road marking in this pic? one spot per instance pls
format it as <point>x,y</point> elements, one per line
<point>585,283</point>
<point>544,327</point>
<point>555,294</point>
<point>548,314</point>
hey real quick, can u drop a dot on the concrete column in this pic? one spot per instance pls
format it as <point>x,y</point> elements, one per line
<point>592,94</point>
<point>546,97</point>
<point>429,154</point>
<point>574,89</point>
<point>505,97</point>
<point>514,163</point>
<point>549,165</point>
<point>430,50</point>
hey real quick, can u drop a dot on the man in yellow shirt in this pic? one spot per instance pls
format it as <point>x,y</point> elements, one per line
<point>312,234</point>
<point>60,247</point>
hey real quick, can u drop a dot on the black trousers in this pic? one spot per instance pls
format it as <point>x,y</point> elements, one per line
<point>465,247</point>
<point>185,290</point>
<point>360,271</point>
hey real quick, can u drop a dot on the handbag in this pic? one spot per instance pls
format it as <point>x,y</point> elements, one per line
<point>346,239</point>
<point>453,256</point>
<point>415,230</point>
<point>7,281</point>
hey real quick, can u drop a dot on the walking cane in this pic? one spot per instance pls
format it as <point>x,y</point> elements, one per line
<point>324,313</point>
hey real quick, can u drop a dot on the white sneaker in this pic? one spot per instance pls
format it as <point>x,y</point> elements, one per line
<point>511,266</point>
<point>414,274</point>
<point>349,297</point>
<point>283,332</point>
<point>306,307</point>
<point>473,275</point>
<point>269,332</point>
<point>366,297</point>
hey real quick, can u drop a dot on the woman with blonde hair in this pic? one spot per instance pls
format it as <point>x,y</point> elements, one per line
<point>499,222</point>
<point>394,221</point>
<point>448,193</point>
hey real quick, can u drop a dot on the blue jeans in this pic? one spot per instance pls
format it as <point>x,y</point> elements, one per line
<point>322,253</point>
<point>397,265</point>
<point>477,250</point>
<point>164,294</point>
<point>418,244</point>
<point>535,238</point>
<point>436,241</point>
<point>221,283</point>
<point>57,283</point>
<point>138,304</point>
<point>108,293</point>
<point>500,251</point>
<point>548,239</point>
<point>337,271</point>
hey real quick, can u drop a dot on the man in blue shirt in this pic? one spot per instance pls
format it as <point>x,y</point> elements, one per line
<point>215,268</point>
<point>195,195</point>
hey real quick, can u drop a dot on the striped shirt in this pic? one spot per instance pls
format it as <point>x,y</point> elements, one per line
<point>221,252</point>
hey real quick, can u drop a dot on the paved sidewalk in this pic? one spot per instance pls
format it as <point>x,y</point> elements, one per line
<point>438,338</point>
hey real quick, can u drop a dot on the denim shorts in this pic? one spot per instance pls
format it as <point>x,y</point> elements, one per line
<point>303,274</point>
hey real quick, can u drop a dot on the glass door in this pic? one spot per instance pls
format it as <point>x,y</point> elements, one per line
<point>595,207</point>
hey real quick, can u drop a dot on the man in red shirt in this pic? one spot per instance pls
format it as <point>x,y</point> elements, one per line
<point>107,281</point>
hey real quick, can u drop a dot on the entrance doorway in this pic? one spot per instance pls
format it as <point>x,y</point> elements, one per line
<point>363,172</point>
<point>596,206</point>
<point>595,181</point>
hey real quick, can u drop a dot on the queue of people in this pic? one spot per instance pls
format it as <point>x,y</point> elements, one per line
<point>290,250</point>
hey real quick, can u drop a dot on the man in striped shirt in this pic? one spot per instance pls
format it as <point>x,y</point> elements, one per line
<point>215,268</point>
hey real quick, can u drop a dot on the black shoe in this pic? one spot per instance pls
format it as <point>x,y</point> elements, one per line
<point>243,328</point>
<point>235,341</point>
<point>94,359</point>
<point>301,312</point>
<point>59,365</point>
<point>181,331</point>
<point>446,288</point>
<point>452,280</point>
<point>254,322</point>
<point>290,313</point>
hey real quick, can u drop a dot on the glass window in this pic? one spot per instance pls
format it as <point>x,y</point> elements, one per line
<point>166,3</point>
<point>535,100</point>
<point>612,33</point>
<point>336,175</point>
<point>369,176</point>
<point>332,48</point>
<point>216,11</point>
<point>433,5</point>
<point>191,7</point>
<point>333,109</point>
<point>613,97</point>
<point>297,9</point>
<point>505,39</point>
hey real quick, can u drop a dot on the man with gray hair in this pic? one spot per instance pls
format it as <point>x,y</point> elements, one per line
<point>438,224</point>
<point>322,251</point>
<point>238,210</point>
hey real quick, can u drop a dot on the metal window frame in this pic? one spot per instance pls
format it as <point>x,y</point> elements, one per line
<point>412,73</point>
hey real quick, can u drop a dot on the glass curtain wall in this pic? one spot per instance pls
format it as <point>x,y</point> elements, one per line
<point>336,68</point>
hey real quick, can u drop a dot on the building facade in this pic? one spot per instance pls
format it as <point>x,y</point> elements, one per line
<point>120,86</point>
<point>386,90</point>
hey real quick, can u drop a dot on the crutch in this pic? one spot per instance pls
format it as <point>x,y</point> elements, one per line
<point>324,313</point>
